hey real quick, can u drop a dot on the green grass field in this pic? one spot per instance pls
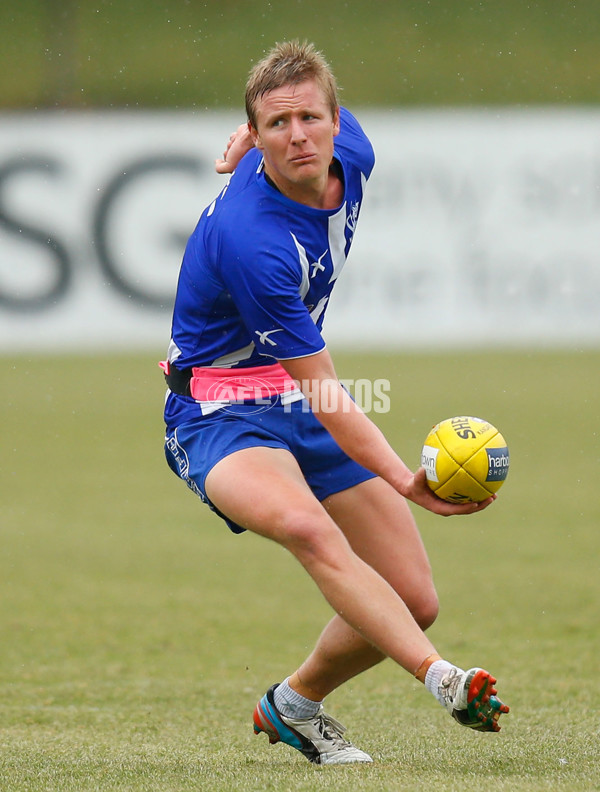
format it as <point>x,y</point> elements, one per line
<point>136,633</point>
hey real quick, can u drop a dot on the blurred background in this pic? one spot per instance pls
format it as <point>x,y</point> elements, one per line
<point>482,220</point>
<point>193,54</point>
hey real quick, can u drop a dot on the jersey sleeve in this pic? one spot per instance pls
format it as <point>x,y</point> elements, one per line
<point>265,283</point>
<point>354,144</point>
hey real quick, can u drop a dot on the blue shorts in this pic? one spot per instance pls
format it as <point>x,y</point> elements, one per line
<point>194,448</point>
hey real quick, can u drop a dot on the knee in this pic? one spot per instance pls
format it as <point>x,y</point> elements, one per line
<point>425,610</point>
<point>310,537</point>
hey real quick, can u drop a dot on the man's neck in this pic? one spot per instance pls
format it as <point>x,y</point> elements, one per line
<point>327,195</point>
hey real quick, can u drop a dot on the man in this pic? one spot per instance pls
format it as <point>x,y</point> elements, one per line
<point>259,426</point>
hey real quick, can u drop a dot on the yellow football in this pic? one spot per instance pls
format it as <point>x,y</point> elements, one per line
<point>466,459</point>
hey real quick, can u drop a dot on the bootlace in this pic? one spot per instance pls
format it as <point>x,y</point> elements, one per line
<point>331,729</point>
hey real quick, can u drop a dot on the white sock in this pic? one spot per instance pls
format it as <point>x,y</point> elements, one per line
<point>292,704</point>
<point>434,676</point>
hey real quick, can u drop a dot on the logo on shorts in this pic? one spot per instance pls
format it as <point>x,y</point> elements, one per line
<point>182,462</point>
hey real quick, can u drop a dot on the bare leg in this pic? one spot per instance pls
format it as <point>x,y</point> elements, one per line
<point>381,530</point>
<point>263,490</point>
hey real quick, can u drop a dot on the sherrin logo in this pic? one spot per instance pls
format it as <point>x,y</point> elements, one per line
<point>498,463</point>
<point>463,426</point>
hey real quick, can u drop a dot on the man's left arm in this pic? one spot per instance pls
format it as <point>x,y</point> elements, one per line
<point>359,437</point>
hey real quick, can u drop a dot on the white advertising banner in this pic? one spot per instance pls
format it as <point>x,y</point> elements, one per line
<point>479,228</point>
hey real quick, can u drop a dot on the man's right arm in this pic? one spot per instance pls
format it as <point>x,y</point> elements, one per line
<point>239,144</point>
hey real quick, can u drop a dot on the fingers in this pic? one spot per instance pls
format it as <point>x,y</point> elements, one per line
<point>239,143</point>
<point>444,508</point>
<point>465,508</point>
<point>222,166</point>
<point>421,477</point>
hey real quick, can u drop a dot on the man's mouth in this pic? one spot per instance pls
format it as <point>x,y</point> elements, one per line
<point>299,158</point>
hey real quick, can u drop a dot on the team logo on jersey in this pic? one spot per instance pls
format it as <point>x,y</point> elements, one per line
<point>317,266</point>
<point>265,338</point>
<point>352,219</point>
<point>309,269</point>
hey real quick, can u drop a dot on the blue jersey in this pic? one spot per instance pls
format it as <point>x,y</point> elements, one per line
<point>258,270</point>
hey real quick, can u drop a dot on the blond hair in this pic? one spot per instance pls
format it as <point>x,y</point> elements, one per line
<point>289,63</point>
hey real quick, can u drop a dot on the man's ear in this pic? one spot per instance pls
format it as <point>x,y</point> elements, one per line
<point>336,122</point>
<point>255,136</point>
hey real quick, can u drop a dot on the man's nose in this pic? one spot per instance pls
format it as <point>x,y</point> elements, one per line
<point>297,130</point>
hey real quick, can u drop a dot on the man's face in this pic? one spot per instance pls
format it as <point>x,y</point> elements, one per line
<point>295,130</point>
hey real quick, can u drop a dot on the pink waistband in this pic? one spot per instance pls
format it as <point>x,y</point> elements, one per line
<point>212,384</point>
<point>240,384</point>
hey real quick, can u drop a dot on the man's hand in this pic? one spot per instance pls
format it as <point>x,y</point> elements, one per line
<point>417,490</point>
<point>239,143</point>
